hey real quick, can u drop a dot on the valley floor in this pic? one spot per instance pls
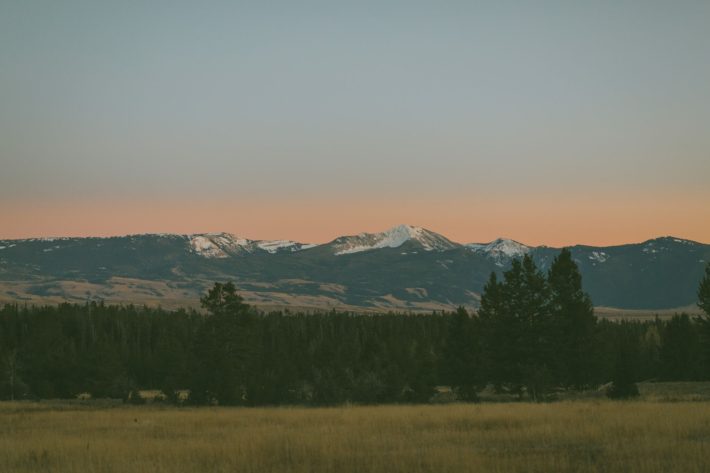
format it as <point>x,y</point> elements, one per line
<point>580,436</point>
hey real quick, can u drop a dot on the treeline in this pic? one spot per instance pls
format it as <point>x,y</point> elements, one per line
<point>534,334</point>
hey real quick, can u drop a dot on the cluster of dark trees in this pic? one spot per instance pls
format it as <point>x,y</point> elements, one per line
<point>533,335</point>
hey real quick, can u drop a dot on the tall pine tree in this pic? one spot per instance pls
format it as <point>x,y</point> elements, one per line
<point>496,338</point>
<point>625,367</point>
<point>572,323</point>
<point>224,348</point>
<point>462,355</point>
<point>704,292</point>
<point>704,322</point>
<point>515,318</point>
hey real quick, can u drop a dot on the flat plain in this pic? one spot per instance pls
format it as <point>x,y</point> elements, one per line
<point>575,436</point>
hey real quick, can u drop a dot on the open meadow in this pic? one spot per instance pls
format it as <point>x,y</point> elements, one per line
<point>579,436</point>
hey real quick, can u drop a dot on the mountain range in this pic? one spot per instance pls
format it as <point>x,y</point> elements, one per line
<point>403,268</point>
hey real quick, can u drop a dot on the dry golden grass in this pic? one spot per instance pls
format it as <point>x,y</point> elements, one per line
<point>271,297</point>
<point>599,436</point>
<point>644,315</point>
<point>118,290</point>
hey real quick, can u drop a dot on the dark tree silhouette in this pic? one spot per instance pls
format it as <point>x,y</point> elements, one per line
<point>624,378</point>
<point>462,355</point>
<point>573,323</point>
<point>704,292</point>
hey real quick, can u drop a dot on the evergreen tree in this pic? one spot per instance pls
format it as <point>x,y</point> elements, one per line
<point>704,291</point>
<point>422,379</point>
<point>495,336</point>
<point>572,323</point>
<point>704,322</point>
<point>649,352</point>
<point>462,357</point>
<point>223,299</point>
<point>224,347</point>
<point>515,321</point>
<point>680,350</point>
<point>525,298</point>
<point>11,386</point>
<point>624,379</point>
<point>491,299</point>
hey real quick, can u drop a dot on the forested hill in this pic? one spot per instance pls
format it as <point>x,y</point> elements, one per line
<point>405,268</point>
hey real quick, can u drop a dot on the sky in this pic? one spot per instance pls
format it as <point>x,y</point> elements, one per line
<point>549,122</point>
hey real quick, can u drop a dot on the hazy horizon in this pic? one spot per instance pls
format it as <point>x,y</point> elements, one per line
<point>545,122</point>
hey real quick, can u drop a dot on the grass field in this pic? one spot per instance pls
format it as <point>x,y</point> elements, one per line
<point>579,436</point>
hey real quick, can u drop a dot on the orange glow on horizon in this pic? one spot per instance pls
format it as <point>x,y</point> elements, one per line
<point>534,220</point>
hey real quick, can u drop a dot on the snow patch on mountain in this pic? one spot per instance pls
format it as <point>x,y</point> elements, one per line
<point>392,238</point>
<point>661,244</point>
<point>501,250</point>
<point>218,245</point>
<point>651,248</point>
<point>224,245</point>
<point>501,246</point>
<point>275,246</point>
<point>598,256</point>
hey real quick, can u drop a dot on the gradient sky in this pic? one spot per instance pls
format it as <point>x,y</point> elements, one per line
<point>547,122</point>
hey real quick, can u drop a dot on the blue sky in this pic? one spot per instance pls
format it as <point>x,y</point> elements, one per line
<point>368,101</point>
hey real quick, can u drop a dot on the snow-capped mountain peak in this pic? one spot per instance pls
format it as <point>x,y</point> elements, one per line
<point>392,238</point>
<point>224,245</point>
<point>500,250</point>
<point>218,245</point>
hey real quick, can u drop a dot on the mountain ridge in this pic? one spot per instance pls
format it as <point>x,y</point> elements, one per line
<point>404,267</point>
<point>236,236</point>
